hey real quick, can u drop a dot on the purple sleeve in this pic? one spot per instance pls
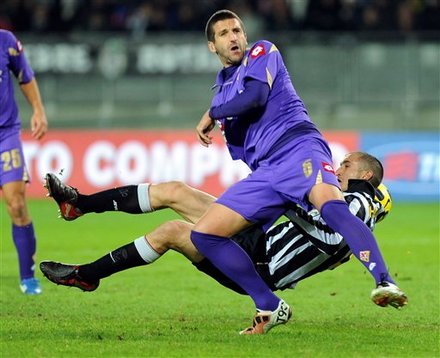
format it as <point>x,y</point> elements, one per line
<point>255,95</point>
<point>17,61</point>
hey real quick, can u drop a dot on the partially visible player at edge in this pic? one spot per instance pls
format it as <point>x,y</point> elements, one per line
<point>13,173</point>
<point>288,253</point>
<point>266,125</point>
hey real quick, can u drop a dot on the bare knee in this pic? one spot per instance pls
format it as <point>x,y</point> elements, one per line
<point>165,195</point>
<point>173,235</point>
<point>179,233</point>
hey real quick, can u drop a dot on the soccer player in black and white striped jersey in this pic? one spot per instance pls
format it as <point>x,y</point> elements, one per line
<point>286,254</point>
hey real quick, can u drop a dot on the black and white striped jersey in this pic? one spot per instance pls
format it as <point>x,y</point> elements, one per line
<point>305,245</point>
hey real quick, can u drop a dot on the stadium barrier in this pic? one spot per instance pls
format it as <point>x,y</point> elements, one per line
<point>99,80</point>
<point>97,160</point>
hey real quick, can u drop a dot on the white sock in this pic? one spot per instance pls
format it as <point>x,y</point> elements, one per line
<point>144,197</point>
<point>145,250</point>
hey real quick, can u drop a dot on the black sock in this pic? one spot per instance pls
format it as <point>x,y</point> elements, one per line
<point>120,259</point>
<point>124,198</point>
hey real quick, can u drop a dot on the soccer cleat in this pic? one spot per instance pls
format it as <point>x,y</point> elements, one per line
<point>387,293</point>
<point>30,286</point>
<point>265,320</point>
<point>66,275</point>
<point>64,195</point>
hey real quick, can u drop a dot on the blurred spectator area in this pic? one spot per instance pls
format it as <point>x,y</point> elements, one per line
<point>357,64</point>
<point>139,17</point>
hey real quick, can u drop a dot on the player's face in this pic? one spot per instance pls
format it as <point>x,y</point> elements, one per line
<point>351,168</point>
<point>229,42</point>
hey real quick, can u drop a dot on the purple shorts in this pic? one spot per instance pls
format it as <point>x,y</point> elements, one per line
<point>282,180</point>
<point>12,165</point>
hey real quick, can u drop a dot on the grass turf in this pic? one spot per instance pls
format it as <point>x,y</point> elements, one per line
<point>170,309</point>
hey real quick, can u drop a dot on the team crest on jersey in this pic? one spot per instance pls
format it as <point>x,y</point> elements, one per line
<point>328,167</point>
<point>364,256</point>
<point>258,51</point>
<point>307,168</point>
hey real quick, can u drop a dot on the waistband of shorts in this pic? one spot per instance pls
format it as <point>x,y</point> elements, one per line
<point>9,131</point>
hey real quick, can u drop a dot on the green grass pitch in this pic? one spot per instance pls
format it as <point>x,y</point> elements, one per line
<point>169,309</point>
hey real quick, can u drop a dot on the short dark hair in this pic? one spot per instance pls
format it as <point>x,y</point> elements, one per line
<point>220,16</point>
<point>372,163</point>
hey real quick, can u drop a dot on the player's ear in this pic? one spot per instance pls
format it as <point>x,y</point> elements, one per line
<point>211,47</point>
<point>368,174</point>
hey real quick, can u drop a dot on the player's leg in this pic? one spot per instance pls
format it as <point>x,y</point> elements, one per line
<point>23,235</point>
<point>326,196</point>
<point>13,178</point>
<point>174,235</point>
<point>336,213</point>
<point>211,237</point>
<point>15,198</point>
<point>190,203</point>
<point>362,243</point>
<point>253,241</point>
<point>131,199</point>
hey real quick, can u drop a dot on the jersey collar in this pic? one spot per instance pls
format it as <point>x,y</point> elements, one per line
<point>360,185</point>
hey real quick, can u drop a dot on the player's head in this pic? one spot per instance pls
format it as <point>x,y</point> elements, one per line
<point>383,196</point>
<point>226,37</point>
<point>360,165</point>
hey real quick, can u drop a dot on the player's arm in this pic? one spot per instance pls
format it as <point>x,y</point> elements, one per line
<point>21,69</point>
<point>204,128</point>
<point>261,69</point>
<point>254,96</point>
<point>38,119</point>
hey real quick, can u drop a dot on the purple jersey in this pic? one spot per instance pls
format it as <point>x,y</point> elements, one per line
<point>250,139</point>
<point>12,60</point>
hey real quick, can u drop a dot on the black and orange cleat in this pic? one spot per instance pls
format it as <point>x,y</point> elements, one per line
<point>65,196</point>
<point>66,275</point>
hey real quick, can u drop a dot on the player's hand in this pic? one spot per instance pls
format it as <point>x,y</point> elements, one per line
<point>204,128</point>
<point>38,124</point>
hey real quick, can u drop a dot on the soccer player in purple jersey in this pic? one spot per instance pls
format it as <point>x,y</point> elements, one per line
<point>13,173</point>
<point>266,125</point>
